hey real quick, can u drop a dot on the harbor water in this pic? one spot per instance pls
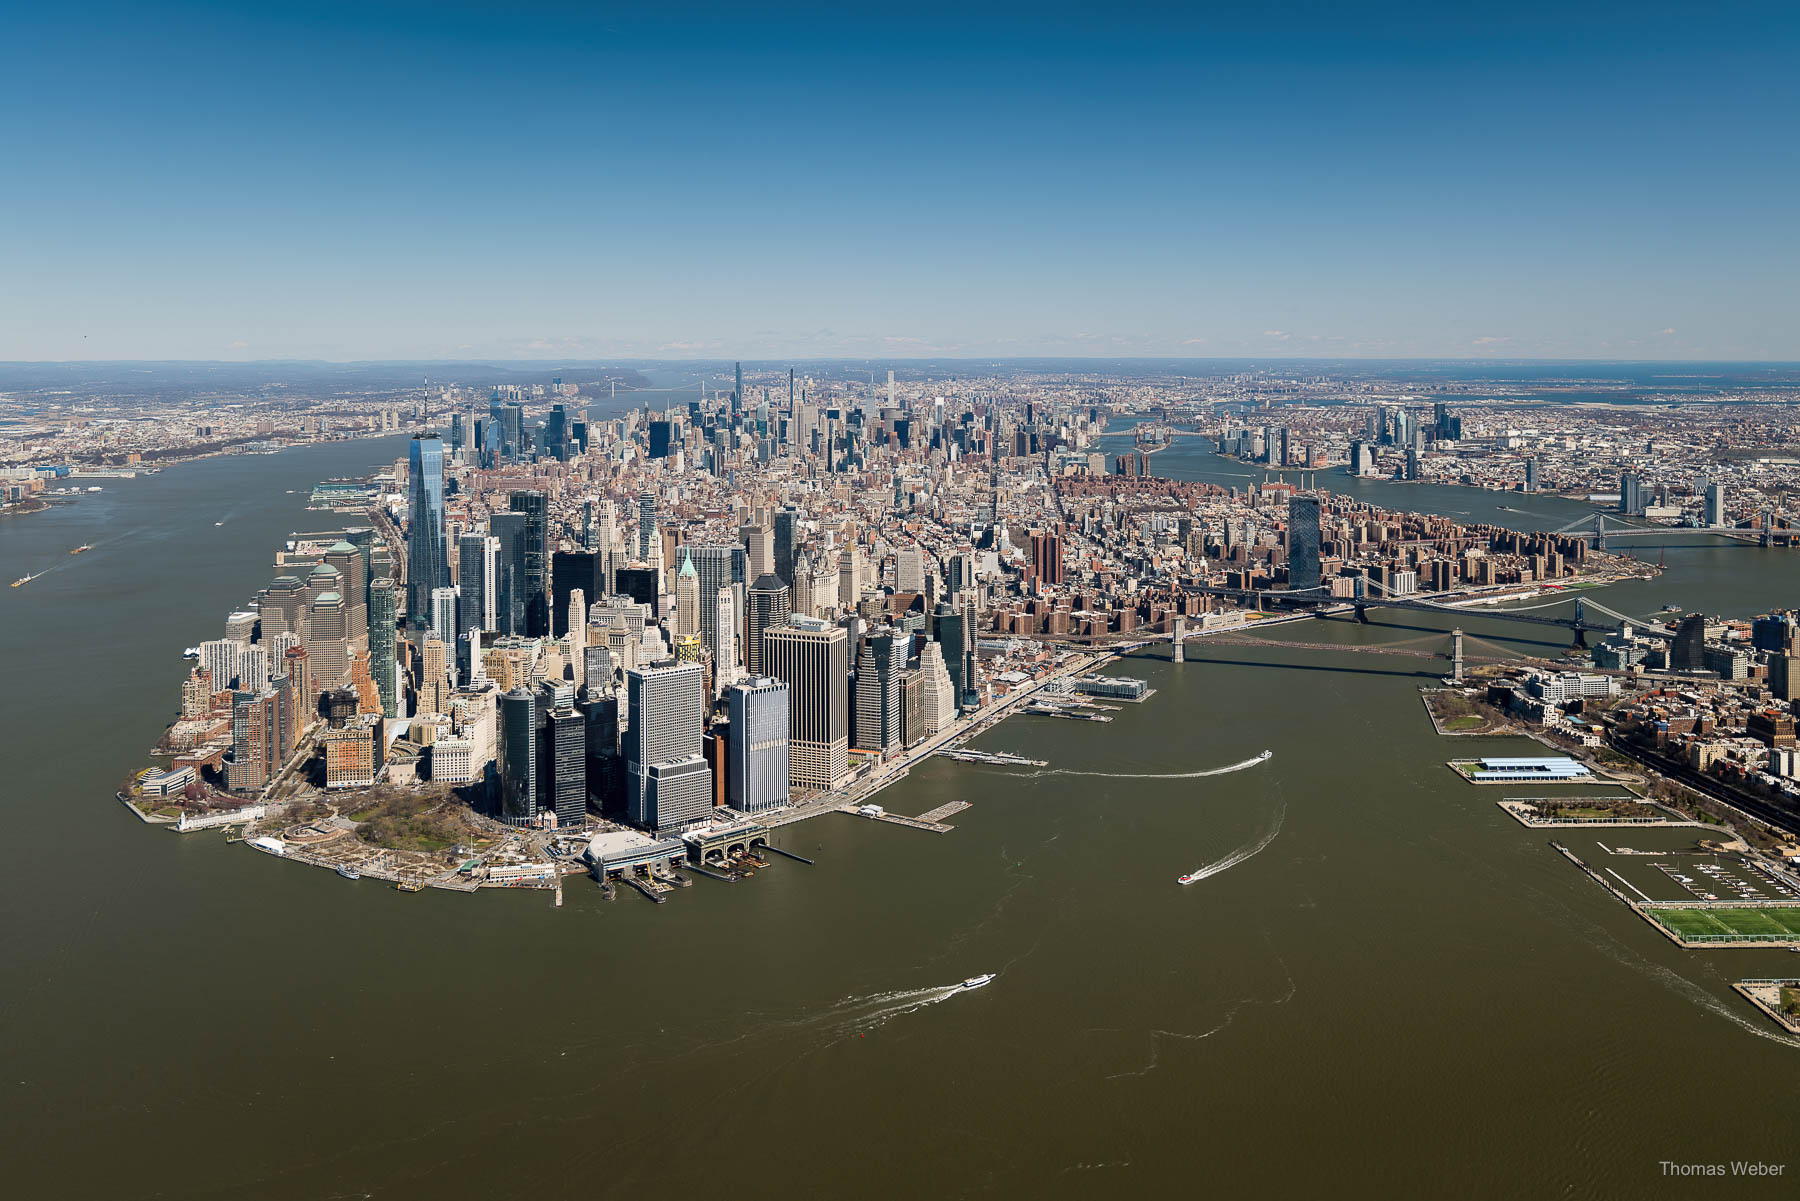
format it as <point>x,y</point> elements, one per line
<point>1382,986</point>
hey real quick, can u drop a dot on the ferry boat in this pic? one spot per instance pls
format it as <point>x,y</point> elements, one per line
<point>974,982</point>
<point>348,872</point>
<point>192,652</point>
<point>85,546</point>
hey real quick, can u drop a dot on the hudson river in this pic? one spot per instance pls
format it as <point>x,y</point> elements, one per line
<point>1385,987</point>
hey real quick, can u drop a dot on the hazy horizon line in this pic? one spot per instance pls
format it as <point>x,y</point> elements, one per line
<point>1060,358</point>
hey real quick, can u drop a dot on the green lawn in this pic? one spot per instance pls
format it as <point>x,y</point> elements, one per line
<point>1711,923</point>
<point>1468,721</point>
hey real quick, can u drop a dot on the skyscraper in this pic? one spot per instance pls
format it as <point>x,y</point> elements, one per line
<point>534,590</point>
<point>348,561</point>
<point>646,523</point>
<point>1303,543</point>
<point>719,567</point>
<point>909,569</point>
<point>938,699</point>
<point>687,599</point>
<point>443,615</point>
<point>476,568</point>
<point>667,782</point>
<point>1687,652</point>
<point>787,535</point>
<point>757,746</point>
<point>769,606</point>
<point>581,571</point>
<point>518,757</point>
<point>813,659</point>
<point>878,669</point>
<point>952,632</point>
<point>1047,559</point>
<point>508,531</point>
<point>1631,499</point>
<point>427,567</point>
<point>1715,504</point>
<point>562,755</point>
<point>722,641</point>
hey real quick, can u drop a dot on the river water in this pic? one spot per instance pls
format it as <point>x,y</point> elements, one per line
<point>1383,987</point>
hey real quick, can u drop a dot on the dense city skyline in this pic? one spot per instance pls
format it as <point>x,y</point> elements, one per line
<point>404,181</point>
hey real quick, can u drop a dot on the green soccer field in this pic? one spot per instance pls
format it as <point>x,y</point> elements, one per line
<point>1714,923</point>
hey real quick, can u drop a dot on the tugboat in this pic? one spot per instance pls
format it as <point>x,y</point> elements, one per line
<point>25,579</point>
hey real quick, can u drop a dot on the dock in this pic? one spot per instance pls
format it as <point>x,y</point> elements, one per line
<point>914,822</point>
<point>943,811</point>
<point>788,853</point>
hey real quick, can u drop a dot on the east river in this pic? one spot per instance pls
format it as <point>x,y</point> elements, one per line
<point>1385,988</point>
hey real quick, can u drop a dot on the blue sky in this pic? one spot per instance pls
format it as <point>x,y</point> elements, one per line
<point>401,180</point>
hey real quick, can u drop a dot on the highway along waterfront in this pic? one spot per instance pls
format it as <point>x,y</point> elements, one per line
<point>1386,968</point>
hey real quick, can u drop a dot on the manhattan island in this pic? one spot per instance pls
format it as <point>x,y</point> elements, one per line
<point>642,645</point>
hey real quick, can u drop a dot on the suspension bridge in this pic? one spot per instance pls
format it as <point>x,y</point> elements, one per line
<point>1579,623</point>
<point>1601,526</point>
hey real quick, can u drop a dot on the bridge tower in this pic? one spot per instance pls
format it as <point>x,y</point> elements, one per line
<point>1599,537</point>
<point>1456,656</point>
<point>1179,654</point>
<point>1580,623</point>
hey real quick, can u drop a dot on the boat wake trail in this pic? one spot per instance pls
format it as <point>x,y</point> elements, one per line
<point>855,1015</point>
<point>1164,775</point>
<point>1248,851</point>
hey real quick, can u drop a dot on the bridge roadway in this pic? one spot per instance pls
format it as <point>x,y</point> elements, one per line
<point>1337,605</point>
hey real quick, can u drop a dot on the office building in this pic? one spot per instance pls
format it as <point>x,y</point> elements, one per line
<point>787,543</point>
<point>909,570</point>
<point>427,566</point>
<point>477,567</point>
<point>518,755</point>
<point>508,531</point>
<point>383,658</point>
<point>1687,652</point>
<point>667,781</point>
<point>879,666</point>
<point>1303,543</point>
<point>581,571</point>
<point>533,582</point>
<point>769,606</point>
<point>562,755</point>
<point>1715,505</point>
<point>687,600</point>
<point>813,659</point>
<point>719,567</point>
<point>1631,494</point>
<point>756,752</point>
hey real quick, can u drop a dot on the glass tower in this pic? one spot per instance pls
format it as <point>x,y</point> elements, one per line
<point>427,567</point>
